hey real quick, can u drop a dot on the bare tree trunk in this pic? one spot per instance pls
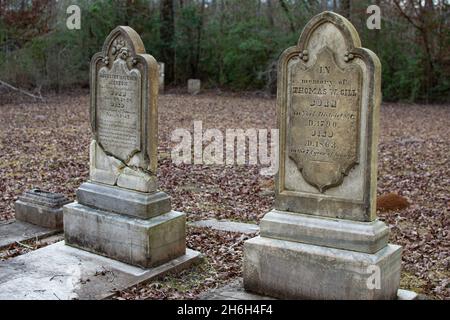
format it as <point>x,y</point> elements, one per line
<point>199,38</point>
<point>422,20</point>
<point>428,21</point>
<point>167,35</point>
<point>288,15</point>
<point>221,26</point>
<point>346,8</point>
<point>128,11</point>
<point>270,13</point>
<point>377,33</point>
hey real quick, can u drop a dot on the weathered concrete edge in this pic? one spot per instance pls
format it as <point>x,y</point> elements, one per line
<point>226,225</point>
<point>38,236</point>
<point>235,290</point>
<point>191,258</point>
<point>407,295</point>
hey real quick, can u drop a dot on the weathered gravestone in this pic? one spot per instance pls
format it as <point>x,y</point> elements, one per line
<point>120,213</point>
<point>194,86</point>
<point>323,240</point>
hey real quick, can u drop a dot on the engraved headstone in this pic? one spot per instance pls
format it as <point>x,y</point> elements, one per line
<point>323,237</point>
<point>123,114</point>
<point>120,213</point>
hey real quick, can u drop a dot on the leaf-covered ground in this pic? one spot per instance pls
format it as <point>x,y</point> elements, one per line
<point>45,144</point>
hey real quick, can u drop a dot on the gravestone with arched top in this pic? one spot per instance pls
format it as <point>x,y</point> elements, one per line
<point>120,213</point>
<point>323,240</point>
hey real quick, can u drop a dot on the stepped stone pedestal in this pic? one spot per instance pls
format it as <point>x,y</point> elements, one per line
<point>133,227</point>
<point>306,257</point>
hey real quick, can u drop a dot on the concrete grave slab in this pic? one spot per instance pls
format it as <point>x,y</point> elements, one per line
<point>60,272</point>
<point>19,231</point>
<point>235,291</point>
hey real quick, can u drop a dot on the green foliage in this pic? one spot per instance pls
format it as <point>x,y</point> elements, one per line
<point>187,42</point>
<point>233,44</point>
<point>247,47</point>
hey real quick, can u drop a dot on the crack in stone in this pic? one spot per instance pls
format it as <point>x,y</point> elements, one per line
<point>125,163</point>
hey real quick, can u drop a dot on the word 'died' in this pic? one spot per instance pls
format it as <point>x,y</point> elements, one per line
<point>208,147</point>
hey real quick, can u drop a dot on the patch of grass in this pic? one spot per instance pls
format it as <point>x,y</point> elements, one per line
<point>191,279</point>
<point>409,281</point>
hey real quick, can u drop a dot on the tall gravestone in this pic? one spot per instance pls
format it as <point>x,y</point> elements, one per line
<point>323,240</point>
<point>119,212</point>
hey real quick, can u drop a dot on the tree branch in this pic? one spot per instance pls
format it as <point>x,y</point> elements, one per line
<point>403,13</point>
<point>21,91</point>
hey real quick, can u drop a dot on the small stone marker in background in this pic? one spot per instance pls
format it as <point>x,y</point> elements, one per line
<point>41,208</point>
<point>323,240</point>
<point>120,212</point>
<point>194,86</point>
<point>161,76</point>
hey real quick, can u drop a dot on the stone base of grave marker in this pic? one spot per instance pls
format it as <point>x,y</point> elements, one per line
<point>130,226</point>
<point>306,257</point>
<point>41,208</point>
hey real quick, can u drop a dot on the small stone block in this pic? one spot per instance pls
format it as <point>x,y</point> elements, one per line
<point>139,242</point>
<point>41,208</point>
<point>123,201</point>
<point>406,295</point>
<point>194,86</point>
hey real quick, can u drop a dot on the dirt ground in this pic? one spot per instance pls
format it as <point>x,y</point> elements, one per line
<point>45,144</point>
